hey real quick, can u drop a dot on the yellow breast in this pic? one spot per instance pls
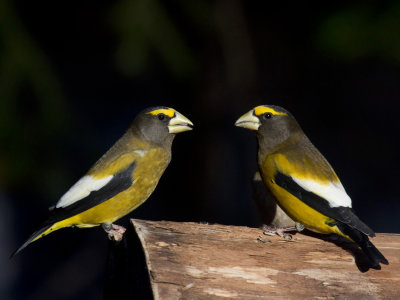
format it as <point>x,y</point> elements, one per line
<point>146,175</point>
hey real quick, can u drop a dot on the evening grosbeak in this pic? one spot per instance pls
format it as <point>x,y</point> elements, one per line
<point>122,179</point>
<point>301,179</point>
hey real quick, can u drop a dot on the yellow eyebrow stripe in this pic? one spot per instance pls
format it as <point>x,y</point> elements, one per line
<point>259,110</point>
<point>166,111</point>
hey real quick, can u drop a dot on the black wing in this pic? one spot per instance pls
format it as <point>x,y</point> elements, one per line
<point>341,213</point>
<point>119,183</point>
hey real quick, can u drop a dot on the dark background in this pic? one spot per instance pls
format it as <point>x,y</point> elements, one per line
<point>73,74</point>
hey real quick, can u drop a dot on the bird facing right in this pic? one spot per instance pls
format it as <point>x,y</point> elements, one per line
<point>122,179</point>
<point>302,181</point>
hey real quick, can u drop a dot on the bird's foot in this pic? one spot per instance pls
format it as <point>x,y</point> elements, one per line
<point>115,232</point>
<point>299,227</point>
<point>281,231</point>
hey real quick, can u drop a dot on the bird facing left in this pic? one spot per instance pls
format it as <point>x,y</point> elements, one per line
<point>122,179</point>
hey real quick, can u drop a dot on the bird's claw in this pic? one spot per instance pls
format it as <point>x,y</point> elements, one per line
<point>299,227</point>
<point>286,236</point>
<point>282,232</point>
<point>115,232</point>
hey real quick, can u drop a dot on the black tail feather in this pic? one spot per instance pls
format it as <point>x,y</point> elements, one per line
<point>372,252</point>
<point>374,255</point>
<point>31,238</point>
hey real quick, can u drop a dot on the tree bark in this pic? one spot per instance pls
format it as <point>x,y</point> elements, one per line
<point>200,261</point>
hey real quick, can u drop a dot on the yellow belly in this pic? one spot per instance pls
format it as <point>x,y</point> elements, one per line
<point>146,176</point>
<point>294,207</point>
<point>302,213</point>
<point>110,210</point>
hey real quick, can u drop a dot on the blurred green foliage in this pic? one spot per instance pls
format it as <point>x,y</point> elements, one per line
<point>362,31</point>
<point>25,68</point>
<point>145,28</point>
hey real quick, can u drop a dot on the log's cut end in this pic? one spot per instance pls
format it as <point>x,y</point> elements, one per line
<point>200,261</point>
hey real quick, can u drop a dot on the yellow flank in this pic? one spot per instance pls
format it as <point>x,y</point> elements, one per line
<point>166,111</point>
<point>151,167</point>
<point>293,206</point>
<point>114,166</point>
<point>304,169</point>
<point>259,110</point>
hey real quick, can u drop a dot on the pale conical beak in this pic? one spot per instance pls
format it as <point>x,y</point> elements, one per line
<point>179,123</point>
<point>248,121</point>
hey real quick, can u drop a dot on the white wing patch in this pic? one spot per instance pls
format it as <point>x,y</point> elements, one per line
<point>140,152</point>
<point>81,189</point>
<point>333,192</point>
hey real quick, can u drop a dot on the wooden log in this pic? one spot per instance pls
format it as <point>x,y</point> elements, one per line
<point>200,261</point>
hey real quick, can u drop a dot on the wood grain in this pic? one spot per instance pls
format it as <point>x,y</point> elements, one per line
<point>200,261</point>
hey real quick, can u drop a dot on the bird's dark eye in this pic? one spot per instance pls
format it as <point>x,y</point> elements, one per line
<point>161,117</point>
<point>267,116</point>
